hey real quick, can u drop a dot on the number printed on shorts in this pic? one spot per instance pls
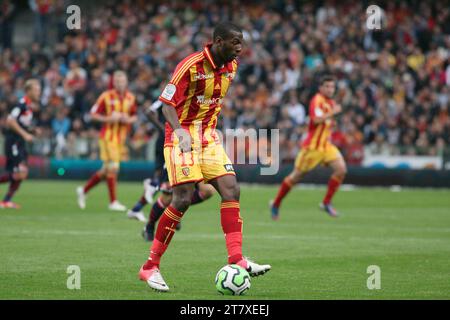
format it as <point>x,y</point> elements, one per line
<point>183,159</point>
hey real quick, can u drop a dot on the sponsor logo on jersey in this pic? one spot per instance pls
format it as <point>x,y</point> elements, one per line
<point>202,76</point>
<point>202,100</point>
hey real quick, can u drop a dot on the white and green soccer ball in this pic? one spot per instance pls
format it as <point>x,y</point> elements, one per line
<point>232,280</point>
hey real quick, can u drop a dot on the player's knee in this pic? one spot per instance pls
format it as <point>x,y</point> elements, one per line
<point>165,199</point>
<point>182,199</point>
<point>181,203</point>
<point>22,174</point>
<point>110,168</point>
<point>207,194</point>
<point>231,193</point>
<point>113,170</point>
<point>207,191</point>
<point>342,171</point>
<point>18,176</point>
<point>296,176</point>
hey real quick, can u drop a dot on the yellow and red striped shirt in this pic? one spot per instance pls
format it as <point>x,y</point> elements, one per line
<point>111,101</point>
<point>196,90</point>
<point>319,134</point>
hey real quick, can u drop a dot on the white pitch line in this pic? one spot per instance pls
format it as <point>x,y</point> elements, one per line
<point>383,239</point>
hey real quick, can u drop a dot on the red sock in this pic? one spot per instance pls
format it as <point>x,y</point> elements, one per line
<point>92,182</point>
<point>283,191</point>
<point>13,187</point>
<point>157,250</point>
<point>112,181</point>
<point>333,186</point>
<point>232,228</point>
<point>5,178</point>
<point>164,233</point>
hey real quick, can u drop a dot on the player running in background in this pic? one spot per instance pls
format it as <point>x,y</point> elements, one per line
<point>151,186</point>
<point>116,110</point>
<point>193,153</point>
<point>19,131</point>
<point>317,148</point>
<point>160,180</point>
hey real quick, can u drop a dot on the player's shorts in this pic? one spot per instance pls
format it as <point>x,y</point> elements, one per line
<point>110,152</point>
<point>308,159</point>
<point>16,155</point>
<point>206,163</point>
<point>165,186</point>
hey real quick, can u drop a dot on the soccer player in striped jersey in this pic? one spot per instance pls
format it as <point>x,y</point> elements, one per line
<point>193,152</point>
<point>116,110</point>
<point>317,149</point>
<point>160,181</point>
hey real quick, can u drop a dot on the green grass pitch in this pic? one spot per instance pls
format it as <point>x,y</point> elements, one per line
<point>313,256</point>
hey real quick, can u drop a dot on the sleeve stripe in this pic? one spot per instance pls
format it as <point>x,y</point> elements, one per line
<point>177,77</point>
<point>210,58</point>
<point>179,74</point>
<point>167,101</point>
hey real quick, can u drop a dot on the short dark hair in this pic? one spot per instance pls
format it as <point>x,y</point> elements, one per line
<point>224,29</point>
<point>326,78</point>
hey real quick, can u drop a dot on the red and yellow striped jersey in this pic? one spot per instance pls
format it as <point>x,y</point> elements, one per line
<point>196,90</point>
<point>319,134</point>
<point>111,101</point>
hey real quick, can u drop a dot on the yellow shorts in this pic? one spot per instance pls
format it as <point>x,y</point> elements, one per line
<point>110,152</point>
<point>308,159</point>
<point>205,163</point>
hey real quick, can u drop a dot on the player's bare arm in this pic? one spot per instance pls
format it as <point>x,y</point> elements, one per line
<point>12,124</point>
<point>172,118</point>
<point>318,119</point>
<point>127,119</point>
<point>113,118</point>
<point>154,119</point>
<point>37,131</point>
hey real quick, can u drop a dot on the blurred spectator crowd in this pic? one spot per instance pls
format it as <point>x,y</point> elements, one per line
<point>394,84</point>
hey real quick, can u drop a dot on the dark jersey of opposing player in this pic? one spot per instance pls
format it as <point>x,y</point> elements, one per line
<point>23,114</point>
<point>159,147</point>
<point>157,108</point>
<point>15,147</point>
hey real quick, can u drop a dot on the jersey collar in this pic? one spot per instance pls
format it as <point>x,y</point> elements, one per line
<point>329,100</point>
<point>27,101</point>
<point>125,93</point>
<point>227,67</point>
<point>208,55</point>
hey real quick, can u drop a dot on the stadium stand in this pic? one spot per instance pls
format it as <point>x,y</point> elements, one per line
<point>394,85</point>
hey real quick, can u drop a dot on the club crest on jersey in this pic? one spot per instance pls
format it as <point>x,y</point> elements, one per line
<point>185,171</point>
<point>229,167</point>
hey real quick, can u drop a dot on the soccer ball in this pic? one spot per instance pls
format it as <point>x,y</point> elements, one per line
<point>232,280</point>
